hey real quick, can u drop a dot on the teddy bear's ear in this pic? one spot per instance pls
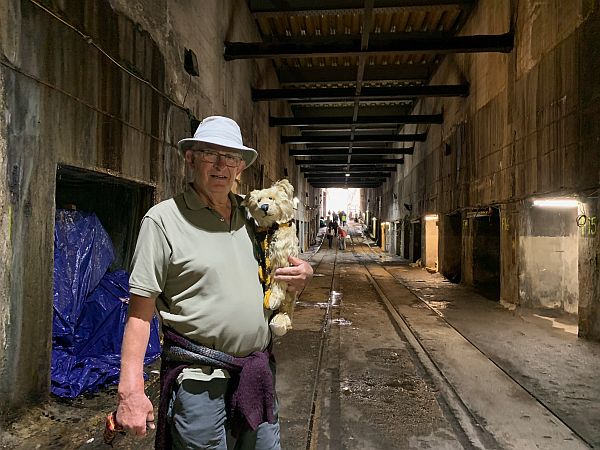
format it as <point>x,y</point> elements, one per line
<point>247,199</point>
<point>286,186</point>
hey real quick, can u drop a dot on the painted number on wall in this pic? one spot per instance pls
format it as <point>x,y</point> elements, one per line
<point>589,227</point>
<point>505,224</point>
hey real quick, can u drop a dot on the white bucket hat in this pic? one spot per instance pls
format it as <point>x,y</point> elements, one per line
<point>221,131</point>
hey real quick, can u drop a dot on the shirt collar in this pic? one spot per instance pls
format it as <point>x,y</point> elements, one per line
<point>195,203</point>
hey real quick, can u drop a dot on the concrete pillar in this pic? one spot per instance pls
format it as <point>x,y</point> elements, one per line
<point>589,273</point>
<point>509,250</point>
<point>467,250</point>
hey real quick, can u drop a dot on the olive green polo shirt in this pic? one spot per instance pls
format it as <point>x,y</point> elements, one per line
<point>203,273</point>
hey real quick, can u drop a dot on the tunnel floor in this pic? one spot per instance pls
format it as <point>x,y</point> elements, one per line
<point>388,356</point>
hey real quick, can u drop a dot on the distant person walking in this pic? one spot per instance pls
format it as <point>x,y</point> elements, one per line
<point>342,238</point>
<point>330,234</point>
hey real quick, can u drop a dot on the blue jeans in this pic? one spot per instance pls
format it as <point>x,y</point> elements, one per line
<point>198,420</point>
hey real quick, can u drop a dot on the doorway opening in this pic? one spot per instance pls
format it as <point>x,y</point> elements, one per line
<point>119,204</point>
<point>486,254</point>
<point>95,231</point>
<point>406,227</point>
<point>451,247</point>
<point>398,231</point>
<point>415,238</point>
<point>431,242</point>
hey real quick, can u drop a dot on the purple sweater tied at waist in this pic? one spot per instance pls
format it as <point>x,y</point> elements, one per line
<point>250,401</point>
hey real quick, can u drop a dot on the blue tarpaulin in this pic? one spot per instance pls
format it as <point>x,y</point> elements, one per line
<point>90,307</point>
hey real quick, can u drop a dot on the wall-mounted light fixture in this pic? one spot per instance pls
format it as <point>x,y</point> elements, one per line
<point>556,203</point>
<point>429,217</point>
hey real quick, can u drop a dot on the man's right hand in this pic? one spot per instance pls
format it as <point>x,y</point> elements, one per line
<point>135,413</point>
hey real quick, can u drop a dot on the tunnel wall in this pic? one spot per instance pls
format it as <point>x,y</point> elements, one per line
<point>64,101</point>
<point>528,128</point>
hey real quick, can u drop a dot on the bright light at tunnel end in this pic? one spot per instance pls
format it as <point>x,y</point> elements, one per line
<point>556,203</point>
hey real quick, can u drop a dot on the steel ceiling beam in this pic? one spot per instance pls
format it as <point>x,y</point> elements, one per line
<point>329,169</point>
<point>362,120</point>
<point>355,151</point>
<point>337,162</point>
<point>360,128</point>
<point>365,109</point>
<point>501,43</point>
<point>348,178</point>
<point>342,173</point>
<point>392,72</point>
<point>367,93</point>
<point>345,185</point>
<point>421,137</point>
<point>273,8</point>
<point>342,146</point>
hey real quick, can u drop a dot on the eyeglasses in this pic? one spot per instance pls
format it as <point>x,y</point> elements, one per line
<point>213,157</point>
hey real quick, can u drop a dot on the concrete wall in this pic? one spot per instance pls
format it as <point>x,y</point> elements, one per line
<point>64,101</point>
<point>529,128</point>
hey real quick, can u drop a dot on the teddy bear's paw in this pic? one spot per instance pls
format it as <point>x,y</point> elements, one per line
<point>280,324</point>
<point>273,302</point>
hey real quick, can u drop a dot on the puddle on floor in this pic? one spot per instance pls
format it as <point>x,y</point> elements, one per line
<point>438,304</point>
<point>336,298</point>
<point>321,305</point>
<point>341,322</point>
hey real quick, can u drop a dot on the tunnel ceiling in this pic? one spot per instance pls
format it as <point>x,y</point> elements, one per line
<point>352,72</point>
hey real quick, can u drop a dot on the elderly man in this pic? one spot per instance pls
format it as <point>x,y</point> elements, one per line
<point>195,262</point>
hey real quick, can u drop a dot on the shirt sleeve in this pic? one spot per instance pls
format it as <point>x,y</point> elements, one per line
<point>150,263</point>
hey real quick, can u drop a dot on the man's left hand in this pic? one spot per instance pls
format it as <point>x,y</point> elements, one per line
<point>296,276</point>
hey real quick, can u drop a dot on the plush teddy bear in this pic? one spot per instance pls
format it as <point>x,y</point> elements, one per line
<point>273,210</point>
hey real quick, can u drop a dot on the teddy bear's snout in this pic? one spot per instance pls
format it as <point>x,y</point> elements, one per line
<point>264,207</point>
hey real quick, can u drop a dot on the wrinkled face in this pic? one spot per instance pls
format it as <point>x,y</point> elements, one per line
<point>272,205</point>
<point>215,168</point>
